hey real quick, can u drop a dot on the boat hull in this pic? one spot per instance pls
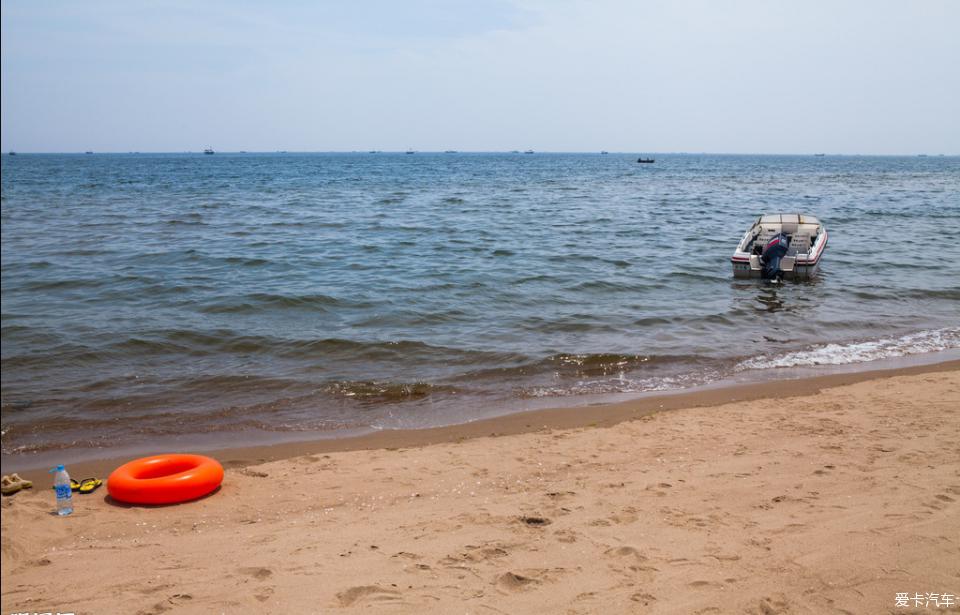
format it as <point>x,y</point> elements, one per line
<point>742,270</point>
<point>801,262</point>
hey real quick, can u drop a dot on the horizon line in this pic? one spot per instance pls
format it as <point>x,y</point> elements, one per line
<point>455,151</point>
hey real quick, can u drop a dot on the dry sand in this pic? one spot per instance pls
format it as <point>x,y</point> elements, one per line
<point>833,501</point>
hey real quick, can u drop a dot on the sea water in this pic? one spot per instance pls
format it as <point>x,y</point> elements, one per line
<point>255,296</point>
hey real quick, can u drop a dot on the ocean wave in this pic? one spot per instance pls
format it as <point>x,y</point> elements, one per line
<point>577,323</point>
<point>372,391</point>
<point>245,261</point>
<point>621,384</point>
<point>570,366</point>
<point>261,301</point>
<point>861,352</point>
<point>594,286</point>
<point>180,344</point>
<point>63,284</point>
<point>605,363</point>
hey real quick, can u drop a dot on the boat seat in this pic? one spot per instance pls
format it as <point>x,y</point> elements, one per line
<point>764,237</point>
<point>800,244</point>
<point>789,228</point>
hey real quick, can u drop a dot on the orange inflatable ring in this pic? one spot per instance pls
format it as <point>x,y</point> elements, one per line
<point>165,479</point>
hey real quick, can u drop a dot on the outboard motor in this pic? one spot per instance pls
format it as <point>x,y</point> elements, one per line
<point>775,250</point>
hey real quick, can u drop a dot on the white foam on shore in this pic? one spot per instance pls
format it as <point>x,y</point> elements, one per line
<point>861,352</point>
<point>624,384</point>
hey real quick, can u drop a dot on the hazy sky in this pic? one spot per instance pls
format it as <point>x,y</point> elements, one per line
<point>845,76</point>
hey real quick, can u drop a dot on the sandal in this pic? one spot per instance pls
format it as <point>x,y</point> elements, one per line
<point>8,486</point>
<point>89,485</point>
<point>24,483</point>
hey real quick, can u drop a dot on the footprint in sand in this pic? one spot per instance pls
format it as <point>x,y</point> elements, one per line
<point>492,552</point>
<point>257,572</point>
<point>772,606</point>
<point>643,598</point>
<point>176,600</point>
<point>367,593</point>
<point>514,582</point>
<point>941,502</point>
<point>264,594</point>
<point>624,552</point>
<point>254,473</point>
<point>628,560</point>
<point>475,553</point>
<point>623,517</point>
<point>261,574</point>
<point>565,536</point>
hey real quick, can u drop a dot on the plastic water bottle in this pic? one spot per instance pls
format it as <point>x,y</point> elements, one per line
<point>61,483</point>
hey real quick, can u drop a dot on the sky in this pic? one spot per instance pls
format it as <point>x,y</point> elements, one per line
<point>736,76</point>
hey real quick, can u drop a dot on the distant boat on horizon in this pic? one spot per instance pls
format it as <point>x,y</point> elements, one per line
<point>819,155</point>
<point>410,151</point>
<point>450,151</point>
<point>88,152</point>
<point>12,153</point>
<point>529,151</point>
<point>643,160</point>
<point>208,151</point>
<point>604,153</point>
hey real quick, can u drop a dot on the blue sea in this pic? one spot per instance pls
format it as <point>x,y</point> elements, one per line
<point>153,300</point>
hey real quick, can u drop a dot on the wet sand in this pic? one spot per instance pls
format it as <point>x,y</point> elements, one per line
<point>822,495</point>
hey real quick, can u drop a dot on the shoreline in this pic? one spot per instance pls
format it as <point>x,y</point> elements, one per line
<point>838,499</point>
<point>554,418</point>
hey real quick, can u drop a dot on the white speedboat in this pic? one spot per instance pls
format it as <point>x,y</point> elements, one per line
<point>781,246</point>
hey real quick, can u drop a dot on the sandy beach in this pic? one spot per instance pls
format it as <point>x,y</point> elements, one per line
<point>831,501</point>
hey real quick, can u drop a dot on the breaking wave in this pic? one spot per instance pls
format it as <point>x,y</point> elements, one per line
<point>862,352</point>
